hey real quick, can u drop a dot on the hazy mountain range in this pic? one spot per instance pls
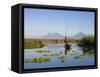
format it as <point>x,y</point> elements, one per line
<point>53,36</point>
<point>59,36</point>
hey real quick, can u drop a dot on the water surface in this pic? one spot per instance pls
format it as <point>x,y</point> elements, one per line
<point>69,59</point>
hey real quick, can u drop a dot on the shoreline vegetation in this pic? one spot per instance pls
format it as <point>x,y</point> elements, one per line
<point>28,44</point>
<point>87,44</point>
<point>39,43</point>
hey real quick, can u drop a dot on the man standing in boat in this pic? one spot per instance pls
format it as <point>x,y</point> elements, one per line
<point>67,47</point>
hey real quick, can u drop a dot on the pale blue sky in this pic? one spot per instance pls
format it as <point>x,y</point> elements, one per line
<point>39,22</point>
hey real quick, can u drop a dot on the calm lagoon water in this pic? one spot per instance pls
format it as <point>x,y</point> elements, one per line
<point>69,59</point>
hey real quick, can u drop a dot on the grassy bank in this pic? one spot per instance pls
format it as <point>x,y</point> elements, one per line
<point>32,44</point>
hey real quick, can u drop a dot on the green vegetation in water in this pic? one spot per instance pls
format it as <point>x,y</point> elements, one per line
<point>91,52</point>
<point>33,44</point>
<point>40,60</point>
<point>37,60</point>
<point>62,58</point>
<point>80,56</point>
<point>55,54</point>
<point>42,51</point>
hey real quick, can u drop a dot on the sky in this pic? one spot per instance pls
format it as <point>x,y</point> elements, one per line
<point>39,22</point>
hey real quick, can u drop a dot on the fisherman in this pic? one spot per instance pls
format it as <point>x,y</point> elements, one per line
<point>67,47</point>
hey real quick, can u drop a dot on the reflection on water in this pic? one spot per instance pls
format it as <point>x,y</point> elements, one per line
<point>54,56</point>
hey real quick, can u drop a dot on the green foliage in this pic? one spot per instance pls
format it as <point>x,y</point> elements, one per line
<point>91,52</point>
<point>40,60</point>
<point>37,60</point>
<point>62,58</point>
<point>33,44</point>
<point>87,43</point>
